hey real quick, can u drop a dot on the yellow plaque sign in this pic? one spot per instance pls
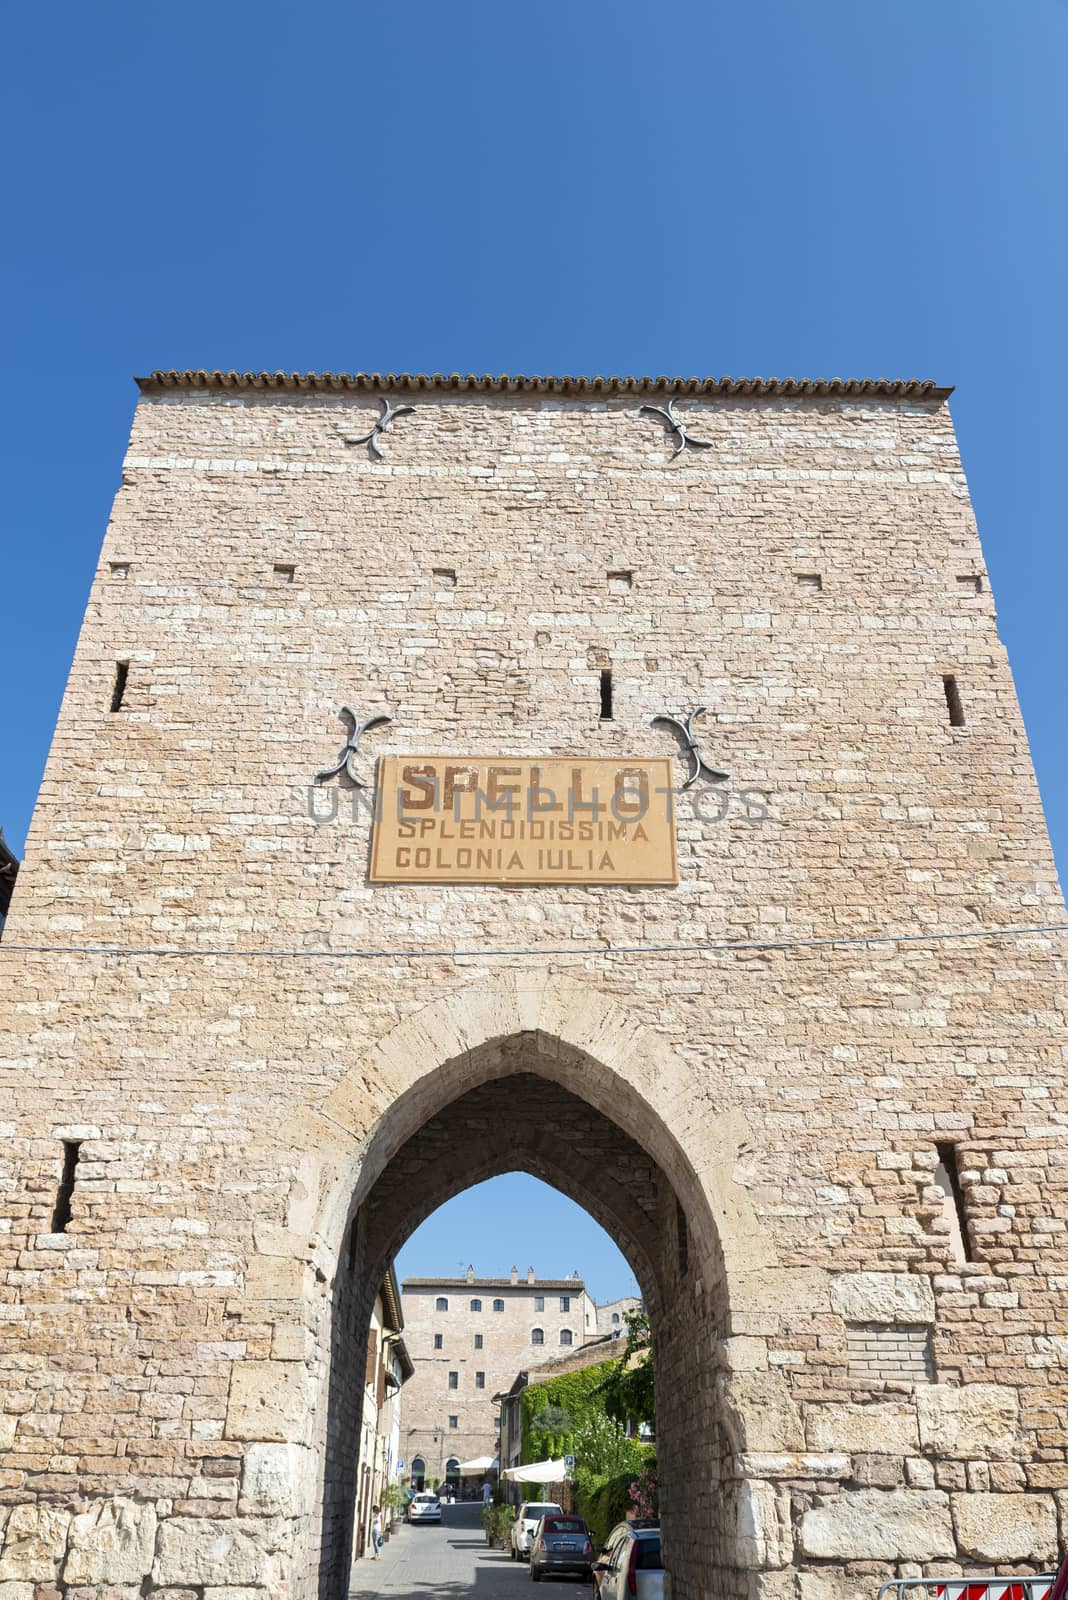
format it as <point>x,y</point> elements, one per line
<point>491,819</point>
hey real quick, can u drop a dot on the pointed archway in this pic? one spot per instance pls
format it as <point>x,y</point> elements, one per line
<point>429,1093</point>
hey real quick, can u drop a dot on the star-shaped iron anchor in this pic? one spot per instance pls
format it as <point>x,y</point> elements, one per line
<point>348,754</point>
<point>693,754</point>
<point>389,413</point>
<point>678,428</point>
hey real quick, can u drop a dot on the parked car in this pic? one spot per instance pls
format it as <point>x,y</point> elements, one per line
<point>530,1514</point>
<point>560,1544</point>
<point>424,1507</point>
<point>630,1563</point>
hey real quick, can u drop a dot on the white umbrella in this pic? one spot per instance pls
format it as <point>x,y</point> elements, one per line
<point>480,1464</point>
<point>539,1472</point>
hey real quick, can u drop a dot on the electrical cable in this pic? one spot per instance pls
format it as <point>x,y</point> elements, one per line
<point>723,946</point>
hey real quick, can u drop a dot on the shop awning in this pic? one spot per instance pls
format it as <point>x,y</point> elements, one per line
<point>480,1464</point>
<point>539,1472</point>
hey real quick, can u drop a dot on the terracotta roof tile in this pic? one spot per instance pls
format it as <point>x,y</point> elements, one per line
<point>474,383</point>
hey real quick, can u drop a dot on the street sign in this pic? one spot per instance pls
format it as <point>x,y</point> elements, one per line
<point>569,1461</point>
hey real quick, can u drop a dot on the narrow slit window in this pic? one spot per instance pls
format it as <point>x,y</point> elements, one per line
<point>682,1234</point>
<point>947,1178</point>
<point>606,694</point>
<point>65,1193</point>
<point>118,687</point>
<point>953,700</point>
<point>284,572</point>
<point>352,1247</point>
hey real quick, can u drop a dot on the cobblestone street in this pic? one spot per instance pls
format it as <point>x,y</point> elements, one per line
<point>453,1561</point>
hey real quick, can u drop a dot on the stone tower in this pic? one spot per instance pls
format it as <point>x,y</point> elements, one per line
<point>808,1082</point>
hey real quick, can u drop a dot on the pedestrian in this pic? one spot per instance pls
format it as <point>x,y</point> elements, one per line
<point>487,1492</point>
<point>376,1532</point>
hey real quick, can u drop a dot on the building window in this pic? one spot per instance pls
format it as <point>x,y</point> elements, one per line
<point>537,1335</point>
<point>454,1380</point>
<point>441,1304</point>
<point>454,1422</point>
<point>565,1302</point>
<point>615,1316</point>
<point>566,1336</point>
<point>478,1341</point>
<point>539,1302</point>
<point>476,1305</point>
<point>498,1305</point>
<point>437,1341</point>
<point>480,1380</point>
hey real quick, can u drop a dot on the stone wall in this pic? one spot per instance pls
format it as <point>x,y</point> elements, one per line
<point>176,1415</point>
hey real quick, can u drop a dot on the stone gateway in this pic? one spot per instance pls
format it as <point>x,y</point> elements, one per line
<point>811,1067</point>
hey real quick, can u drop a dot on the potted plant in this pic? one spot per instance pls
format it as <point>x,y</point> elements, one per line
<point>392,1504</point>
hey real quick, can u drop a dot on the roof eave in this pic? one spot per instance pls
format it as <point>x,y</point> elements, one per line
<point>573,386</point>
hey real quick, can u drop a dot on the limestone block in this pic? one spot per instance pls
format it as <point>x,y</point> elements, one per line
<point>113,1542</point>
<point>1006,1527</point>
<point>276,1278</point>
<point>888,1428</point>
<point>883,1297</point>
<point>745,1354</point>
<point>34,1541</point>
<point>759,1412</point>
<point>880,1525</point>
<point>17,1591</point>
<point>8,1424</point>
<point>275,1479</point>
<point>291,1342</point>
<point>820,1584</point>
<point>777,1290</point>
<point>770,1586</point>
<point>790,1464</point>
<point>762,1526</point>
<point>269,1400</point>
<point>225,1552</point>
<point>973,1420</point>
<point>229,1592</point>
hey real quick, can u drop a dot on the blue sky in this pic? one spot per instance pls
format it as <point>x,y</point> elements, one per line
<point>593,186</point>
<point>516,1221</point>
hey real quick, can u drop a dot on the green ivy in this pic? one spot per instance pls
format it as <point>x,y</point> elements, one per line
<point>567,1400</point>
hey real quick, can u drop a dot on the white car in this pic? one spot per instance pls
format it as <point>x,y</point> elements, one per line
<point>424,1507</point>
<point>630,1563</point>
<point>530,1514</point>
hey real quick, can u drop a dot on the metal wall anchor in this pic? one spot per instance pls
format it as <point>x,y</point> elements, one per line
<point>389,413</point>
<point>678,428</point>
<point>348,754</point>
<point>693,754</point>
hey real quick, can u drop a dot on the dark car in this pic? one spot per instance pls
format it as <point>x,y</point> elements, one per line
<point>560,1544</point>
<point>630,1563</point>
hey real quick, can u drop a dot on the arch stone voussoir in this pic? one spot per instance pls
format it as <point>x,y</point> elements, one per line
<point>590,1043</point>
